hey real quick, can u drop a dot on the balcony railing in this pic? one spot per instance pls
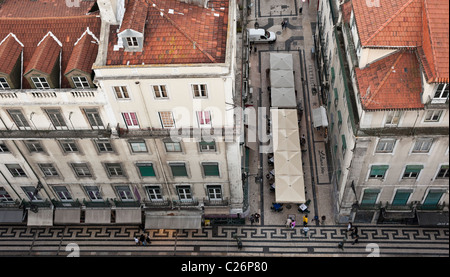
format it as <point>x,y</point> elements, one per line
<point>70,133</point>
<point>215,202</point>
<point>36,96</point>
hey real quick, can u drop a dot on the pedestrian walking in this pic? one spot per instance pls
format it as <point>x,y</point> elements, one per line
<point>142,239</point>
<point>257,216</point>
<point>356,239</point>
<point>288,222</point>
<point>305,220</point>
<point>305,231</point>
<point>136,240</point>
<point>252,218</point>
<point>341,244</point>
<point>300,10</point>
<point>354,231</point>
<point>293,224</point>
<point>283,23</point>
<point>349,226</point>
<point>147,239</point>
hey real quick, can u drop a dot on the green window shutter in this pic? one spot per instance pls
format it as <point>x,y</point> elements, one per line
<point>378,169</point>
<point>370,196</point>
<point>433,198</point>
<point>178,170</point>
<point>401,197</point>
<point>414,168</point>
<point>211,169</point>
<point>336,97</point>
<point>332,75</point>
<point>344,143</point>
<point>339,119</point>
<point>146,170</point>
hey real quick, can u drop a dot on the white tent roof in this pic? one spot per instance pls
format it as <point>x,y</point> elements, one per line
<point>281,61</point>
<point>282,81</point>
<point>320,117</point>
<point>289,181</point>
<point>283,98</point>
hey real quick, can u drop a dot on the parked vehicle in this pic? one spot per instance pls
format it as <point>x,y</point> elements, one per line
<point>261,36</point>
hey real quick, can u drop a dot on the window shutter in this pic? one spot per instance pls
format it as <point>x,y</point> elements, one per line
<point>146,170</point>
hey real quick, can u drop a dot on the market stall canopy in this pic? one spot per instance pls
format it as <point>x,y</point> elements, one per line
<point>320,117</point>
<point>281,61</point>
<point>282,81</point>
<point>282,98</point>
<point>173,220</point>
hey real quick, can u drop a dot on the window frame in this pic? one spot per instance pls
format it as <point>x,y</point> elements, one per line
<point>4,85</point>
<point>131,142</point>
<point>16,170</point>
<point>422,141</point>
<point>393,118</point>
<point>130,119</point>
<point>163,94</point>
<point>411,172</point>
<point>114,170</point>
<point>69,146</point>
<point>62,191</point>
<point>178,164</point>
<point>48,168</point>
<point>93,117</point>
<point>373,168</point>
<point>204,119</point>
<point>122,93</point>
<point>446,172</point>
<point>81,82</point>
<point>385,145</point>
<point>39,83</point>
<point>19,119</point>
<point>132,41</point>
<point>154,193</point>
<point>96,194</point>
<point>164,117</point>
<point>202,90</point>
<point>56,117</point>
<point>77,166</point>
<point>124,192</point>
<point>430,116</point>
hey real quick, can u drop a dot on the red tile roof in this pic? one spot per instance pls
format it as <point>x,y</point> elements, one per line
<point>135,16</point>
<point>10,50</point>
<point>84,54</point>
<point>176,33</point>
<point>30,31</point>
<point>45,55</point>
<point>391,83</point>
<point>43,8</point>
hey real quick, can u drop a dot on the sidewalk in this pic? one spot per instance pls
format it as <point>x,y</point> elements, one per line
<point>296,39</point>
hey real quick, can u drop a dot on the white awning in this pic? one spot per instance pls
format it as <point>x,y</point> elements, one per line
<point>281,61</point>
<point>98,216</point>
<point>283,98</point>
<point>320,117</point>
<point>43,217</point>
<point>67,215</point>
<point>173,220</point>
<point>128,215</point>
<point>11,215</point>
<point>282,82</point>
<point>289,179</point>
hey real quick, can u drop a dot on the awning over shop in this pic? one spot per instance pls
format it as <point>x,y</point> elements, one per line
<point>320,117</point>
<point>98,216</point>
<point>11,215</point>
<point>282,81</point>
<point>433,218</point>
<point>43,217</point>
<point>128,215</point>
<point>173,220</point>
<point>67,215</point>
<point>289,179</point>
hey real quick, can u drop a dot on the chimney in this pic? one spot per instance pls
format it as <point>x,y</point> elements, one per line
<point>111,11</point>
<point>200,3</point>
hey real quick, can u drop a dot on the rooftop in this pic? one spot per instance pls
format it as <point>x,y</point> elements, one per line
<point>174,33</point>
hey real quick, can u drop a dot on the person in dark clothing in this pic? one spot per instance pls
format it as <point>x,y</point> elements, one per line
<point>142,239</point>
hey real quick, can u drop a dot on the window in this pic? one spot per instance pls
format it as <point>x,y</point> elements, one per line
<point>433,115</point>
<point>81,170</point>
<point>422,145</point>
<point>4,195</point>
<point>124,193</point>
<point>378,171</point>
<point>204,118</point>
<point>412,171</point>
<point>441,94</point>
<point>62,193</point>
<point>34,146</point>
<point>160,91</point>
<point>146,169</point>
<point>3,148</point>
<point>210,169</point>
<point>69,146</point>
<point>138,146</point>
<point>172,146</point>
<point>385,146</point>
<point>214,192</point>
<point>19,119</point>
<point>199,91</point>
<point>93,193</point>
<point>130,120</point>
<point>103,146</point>
<point>121,92</point>
<point>443,172</point>
<point>132,41</point>
<point>31,193</point>
<point>81,82</point>
<point>370,197</point>
<point>433,198</point>
<point>184,193</point>
<point>154,193</point>
<point>401,197</point>
<point>207,146</point>
<point>40,82</point>
<point>4,84</point>
<point>56,118</point>
<point>94,118</point>
<point>48,170</point>
<point>178,169</point>
<point>16,170</point>
<point>344,145</point>
<point>114,170</point>
<point>339,119</point>
<point>392,118</point>
<point>167,119</point>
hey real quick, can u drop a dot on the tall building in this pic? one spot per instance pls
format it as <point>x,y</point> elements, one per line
<point>118,111</point>
<point>385,76</point>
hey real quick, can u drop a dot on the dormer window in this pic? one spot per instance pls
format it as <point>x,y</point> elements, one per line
<point>441,94</point>
<point>80,82</point>
<point>132,42</point>
<point>4,84</point>
<point>40,82</point>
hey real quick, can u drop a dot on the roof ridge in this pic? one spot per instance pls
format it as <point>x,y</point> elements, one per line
<point>371,97</point>
<point>433,49</point>
<point>163,14</point>
<point>389,20</point>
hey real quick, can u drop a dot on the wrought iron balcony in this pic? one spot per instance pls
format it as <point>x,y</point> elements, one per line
<point>215,202</point>
<point>69,133</point>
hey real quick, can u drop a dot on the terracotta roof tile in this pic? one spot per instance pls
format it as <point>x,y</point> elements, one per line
<point>10,50</point>
<point>135,16</point>
<point>83,54</point>
<point>45,55</point>
<point>391,83</point>
<point>186,34</point>
<point>43,8</point>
